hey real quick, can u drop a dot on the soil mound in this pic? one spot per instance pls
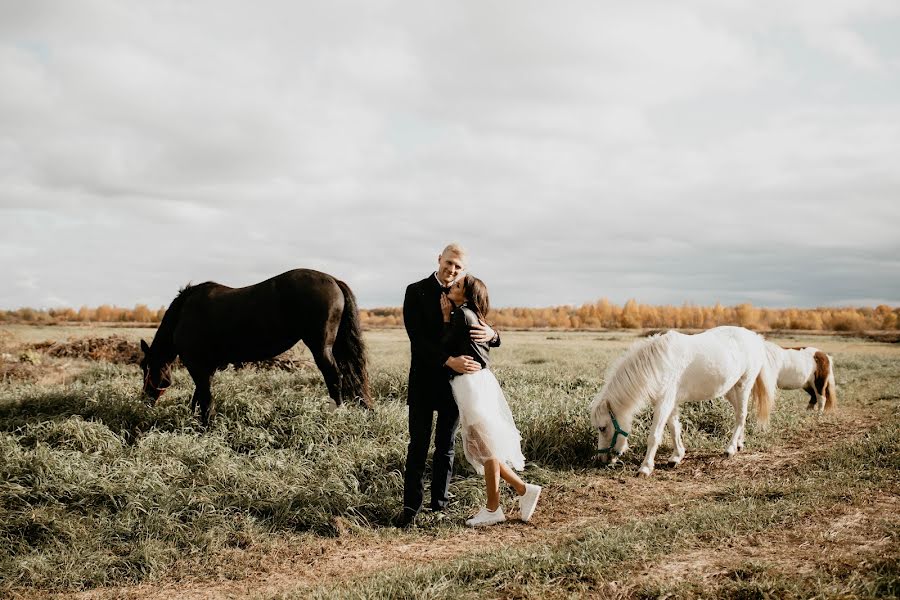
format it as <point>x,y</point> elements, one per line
<point>117,349</point>
<point>114,349</point>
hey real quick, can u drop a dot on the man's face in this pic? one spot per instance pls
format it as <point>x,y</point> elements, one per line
<point>450,267</point>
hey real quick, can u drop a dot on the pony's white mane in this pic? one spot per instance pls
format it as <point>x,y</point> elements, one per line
<point>640,373</point>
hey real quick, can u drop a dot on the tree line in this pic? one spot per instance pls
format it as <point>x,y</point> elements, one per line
<point>601,314</point>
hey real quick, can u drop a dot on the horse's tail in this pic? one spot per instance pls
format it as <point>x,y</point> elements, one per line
<point>830,387</point>
<point>763,392</point>
<point>350,352</point>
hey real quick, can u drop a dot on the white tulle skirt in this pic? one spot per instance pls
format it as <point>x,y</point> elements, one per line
<point>488,429</point>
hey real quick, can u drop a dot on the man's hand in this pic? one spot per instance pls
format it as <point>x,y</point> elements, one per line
<point>463,364</point>
<point>481,332</point>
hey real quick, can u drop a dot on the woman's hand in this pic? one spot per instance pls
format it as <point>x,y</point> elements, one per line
<point>446,307</point>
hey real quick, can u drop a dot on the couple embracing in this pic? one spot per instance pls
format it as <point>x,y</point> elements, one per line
<point>450,375</point>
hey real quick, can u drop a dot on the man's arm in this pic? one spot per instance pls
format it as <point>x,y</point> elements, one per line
<point>483,333</point>
<point>413,320</point>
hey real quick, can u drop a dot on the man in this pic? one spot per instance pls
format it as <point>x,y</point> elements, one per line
<point>429,384</point>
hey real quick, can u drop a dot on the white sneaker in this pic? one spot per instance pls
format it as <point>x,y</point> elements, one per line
<point>487,517</point>
<point>528,501</point>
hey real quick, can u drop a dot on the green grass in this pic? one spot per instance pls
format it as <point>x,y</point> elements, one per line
<point>98,489</point>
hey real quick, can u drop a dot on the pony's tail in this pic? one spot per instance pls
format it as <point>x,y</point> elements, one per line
<point>350,352</point>
<point>830,388</point>
<point>763,393</point>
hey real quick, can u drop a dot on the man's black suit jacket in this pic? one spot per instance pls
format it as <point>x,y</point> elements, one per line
<point>429,378</point>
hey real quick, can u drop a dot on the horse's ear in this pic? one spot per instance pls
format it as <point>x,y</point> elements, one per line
<point>145,347</point>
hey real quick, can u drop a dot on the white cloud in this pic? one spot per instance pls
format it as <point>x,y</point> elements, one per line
<point>575,148</point>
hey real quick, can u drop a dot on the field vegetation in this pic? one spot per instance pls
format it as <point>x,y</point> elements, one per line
<point>106,497</point>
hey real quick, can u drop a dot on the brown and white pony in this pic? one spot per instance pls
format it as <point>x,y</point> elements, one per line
<point>805,368</point>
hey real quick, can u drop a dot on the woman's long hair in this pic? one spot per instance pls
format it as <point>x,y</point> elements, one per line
<point>477,296</point>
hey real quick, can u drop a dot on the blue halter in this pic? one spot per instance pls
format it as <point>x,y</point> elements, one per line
<point>612,444</point>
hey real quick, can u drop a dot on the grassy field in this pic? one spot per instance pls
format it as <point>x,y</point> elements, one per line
<point>103,497</point>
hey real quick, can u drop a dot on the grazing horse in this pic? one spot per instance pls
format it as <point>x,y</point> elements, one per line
<point>211,325</point>
<point>671,369</point>
<point>804,368</point>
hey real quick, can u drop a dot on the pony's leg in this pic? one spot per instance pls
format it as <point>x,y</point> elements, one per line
<point>324,358</point>
<point>675,430</point>
<point>654,438</point>
<point>739,397</point>
<point>812,398</point>
<point>820,398</point>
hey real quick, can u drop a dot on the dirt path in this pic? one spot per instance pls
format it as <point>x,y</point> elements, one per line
<point>565,510</point>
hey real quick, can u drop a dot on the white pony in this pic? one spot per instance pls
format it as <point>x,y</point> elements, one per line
<point>808,369</point>
<point>674,368</point>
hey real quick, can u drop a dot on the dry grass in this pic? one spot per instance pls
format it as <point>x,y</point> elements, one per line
<point>820,506</point>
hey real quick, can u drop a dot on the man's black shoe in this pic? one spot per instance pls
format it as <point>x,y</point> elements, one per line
<point>405,519</point>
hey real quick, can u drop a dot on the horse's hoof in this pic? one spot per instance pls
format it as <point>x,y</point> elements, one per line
<point>729,453</point>
<point>643,473</point>
<point>673,463</point>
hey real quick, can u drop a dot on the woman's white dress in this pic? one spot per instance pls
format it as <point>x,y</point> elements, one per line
<point>488,429</point>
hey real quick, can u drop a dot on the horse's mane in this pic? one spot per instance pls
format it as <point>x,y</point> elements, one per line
<point>640,373</point>
<point>175,307</point>
<point>170,318</point>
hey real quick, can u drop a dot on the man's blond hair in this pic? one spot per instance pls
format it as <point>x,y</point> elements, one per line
<point>456,250</point>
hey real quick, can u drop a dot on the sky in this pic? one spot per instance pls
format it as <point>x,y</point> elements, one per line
<point>699,151</point>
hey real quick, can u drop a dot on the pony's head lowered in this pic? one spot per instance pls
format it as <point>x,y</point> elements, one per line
<point>630,380</point>
<point>612,440</point>
<point>157,373</point>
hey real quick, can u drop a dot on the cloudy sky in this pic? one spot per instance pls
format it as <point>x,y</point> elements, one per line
<point>698,151</point>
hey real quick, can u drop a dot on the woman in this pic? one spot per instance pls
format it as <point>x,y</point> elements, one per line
<point>491,441</point>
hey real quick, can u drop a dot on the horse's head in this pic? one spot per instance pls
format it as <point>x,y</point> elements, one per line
<point>612,440</point>
<point>157,373</point>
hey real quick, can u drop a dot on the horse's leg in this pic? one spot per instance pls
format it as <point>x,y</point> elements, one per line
<point>739,397</point>
<point>202,393</point>
<point>654,438</point>
<point>675,430</point>
<point>324,358</point>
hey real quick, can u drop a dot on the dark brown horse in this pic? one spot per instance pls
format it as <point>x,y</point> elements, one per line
<point>211,325</point>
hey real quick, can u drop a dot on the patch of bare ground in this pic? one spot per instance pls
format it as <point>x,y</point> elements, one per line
<point>32,369</point>
<point>583,500</point>
<point>843,536</point>
<point>54,362</point>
